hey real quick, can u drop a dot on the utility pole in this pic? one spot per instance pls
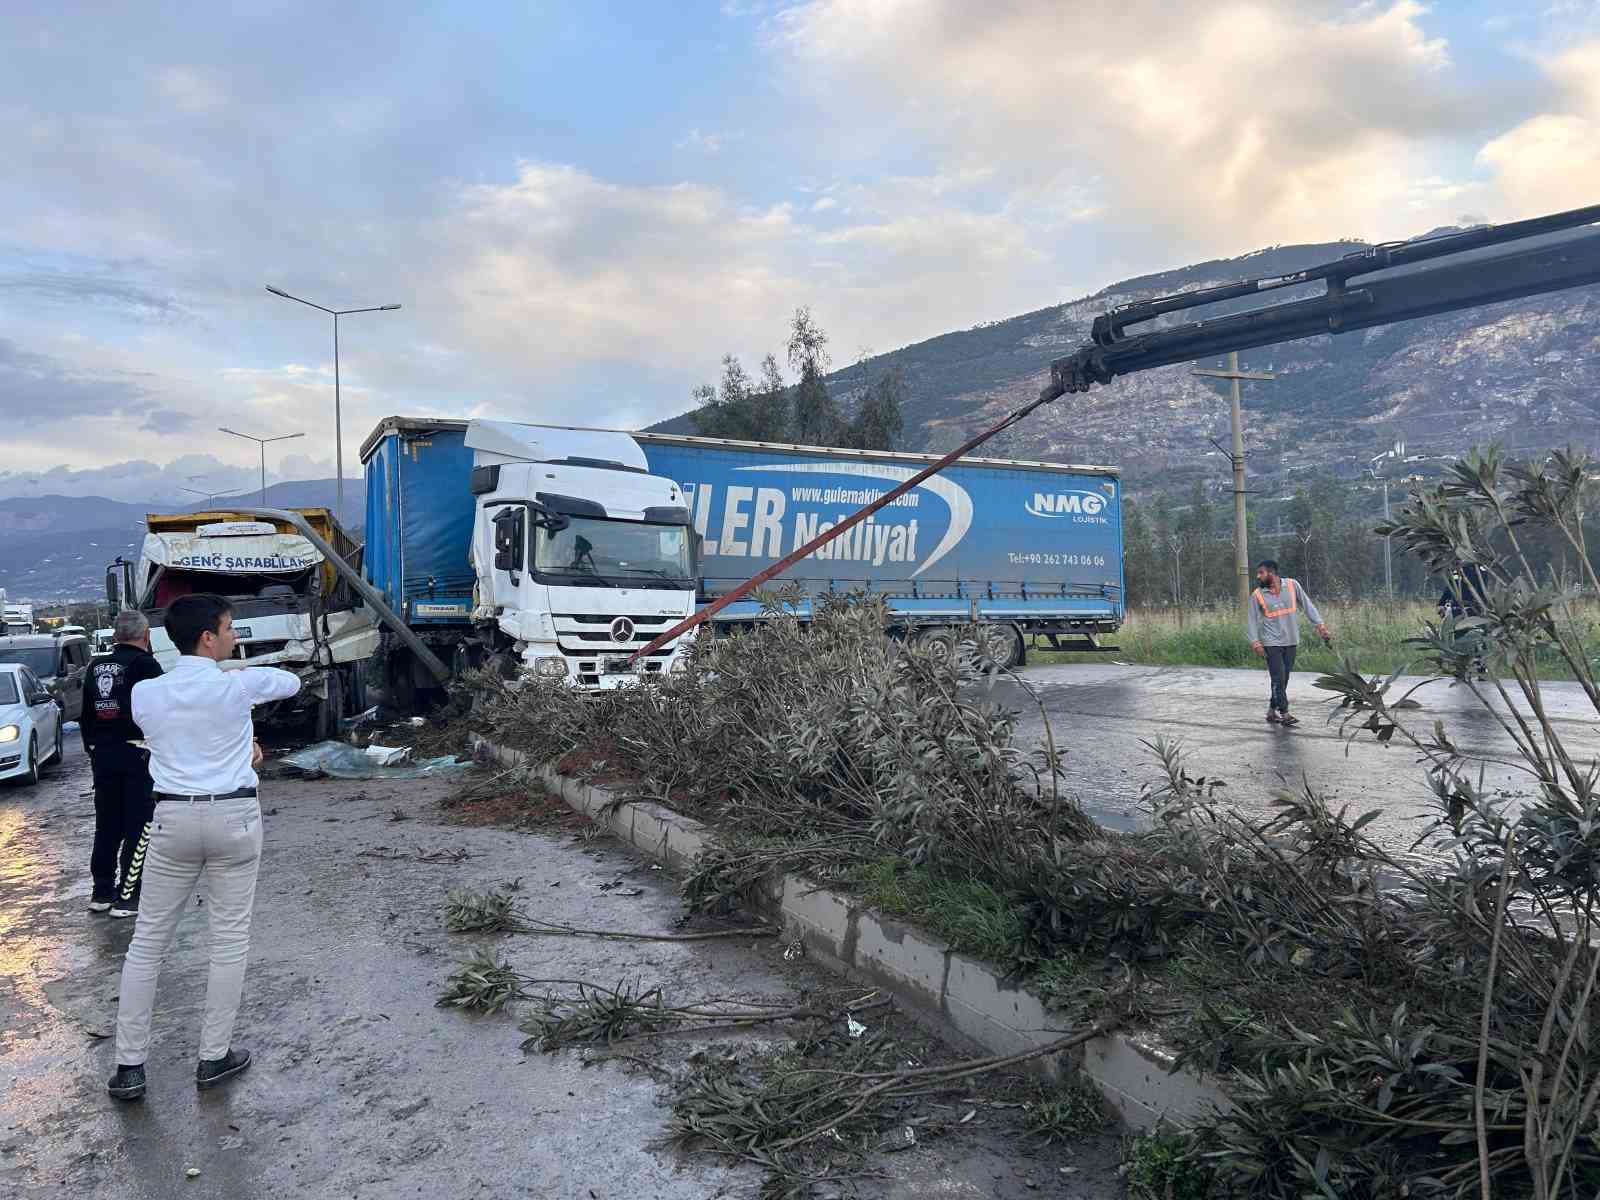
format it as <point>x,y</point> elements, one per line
<point>1241,548</point>
<point>1375,467</point>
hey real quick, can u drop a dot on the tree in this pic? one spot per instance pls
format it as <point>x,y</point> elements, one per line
<point>1165,530</point>
<point>817,420</point>
<point>1140,558</point>
<point>741,409</point>
<point>879,420</point>
<point>1303,520</point>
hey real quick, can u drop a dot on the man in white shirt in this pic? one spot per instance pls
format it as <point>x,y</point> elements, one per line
<point>196,721</point>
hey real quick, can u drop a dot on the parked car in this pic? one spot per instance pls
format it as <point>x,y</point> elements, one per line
<point>30,724</point>
<point>62,663</point>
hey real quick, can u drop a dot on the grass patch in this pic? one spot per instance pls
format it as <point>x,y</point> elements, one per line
<point>1161,1166</point>
<point>972,916</point>
<point>1072,1109</point>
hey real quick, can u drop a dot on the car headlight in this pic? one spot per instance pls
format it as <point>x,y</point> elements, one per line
<point>550,667</point>
<point>10,733</point>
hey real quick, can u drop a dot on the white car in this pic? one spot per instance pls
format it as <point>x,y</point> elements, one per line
<point>30,724</point>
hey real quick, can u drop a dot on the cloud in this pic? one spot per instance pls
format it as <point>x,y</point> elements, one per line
<point>37,390</point>
<point>1552,161</point>
<point>77,290</point>
<point>559,268</point>
<point>189,89</point>
<point>1223,126</point>
<point>706,143</point>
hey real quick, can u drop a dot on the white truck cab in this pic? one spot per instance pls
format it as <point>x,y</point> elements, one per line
<point>582,556</point>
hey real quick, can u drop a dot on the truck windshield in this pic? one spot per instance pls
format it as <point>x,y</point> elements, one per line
<point>612,551</point>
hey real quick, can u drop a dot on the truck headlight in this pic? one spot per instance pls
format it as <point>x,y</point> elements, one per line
<point>10,733</point>
<point>550,667</point>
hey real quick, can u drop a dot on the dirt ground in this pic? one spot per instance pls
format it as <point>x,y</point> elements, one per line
<point>361,1086</point>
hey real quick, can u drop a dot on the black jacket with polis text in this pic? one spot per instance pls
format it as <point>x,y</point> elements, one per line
<point>108,695</point>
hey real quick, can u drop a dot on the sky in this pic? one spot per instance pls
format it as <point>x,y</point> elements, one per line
<point>582,206</point>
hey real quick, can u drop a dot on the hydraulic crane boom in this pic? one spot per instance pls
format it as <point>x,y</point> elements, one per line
<point>1396,281</point>
<point>1392,282</point>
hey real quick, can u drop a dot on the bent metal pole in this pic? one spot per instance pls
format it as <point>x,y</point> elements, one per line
<point>1051,392</point>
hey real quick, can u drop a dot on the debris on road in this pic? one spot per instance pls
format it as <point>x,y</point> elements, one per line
<point>495,912</point>
<point>336,760</point>
<point>394,854</point>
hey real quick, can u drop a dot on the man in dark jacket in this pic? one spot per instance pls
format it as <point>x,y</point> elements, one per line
<point>1464,592</point>
<point>1463,596</point>
<point>123,802</point>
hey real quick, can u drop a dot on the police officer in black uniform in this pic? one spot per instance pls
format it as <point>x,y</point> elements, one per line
<point>123,800</point>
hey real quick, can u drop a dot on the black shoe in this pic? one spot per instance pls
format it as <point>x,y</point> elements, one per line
<point>125,908</point>
<point>100,902</point>
<point>1285,718</point>
<point>218,1070</point>
<point>127,1083</point>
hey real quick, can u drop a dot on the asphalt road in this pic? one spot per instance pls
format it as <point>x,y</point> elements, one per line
<point>1102,713</point>
<point>361,1087</point>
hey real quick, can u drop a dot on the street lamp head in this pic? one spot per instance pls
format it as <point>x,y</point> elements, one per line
<point>388,308</point>
<point>279,292</point>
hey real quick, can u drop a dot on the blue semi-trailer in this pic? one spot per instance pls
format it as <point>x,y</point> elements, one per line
<point>1017,548</point>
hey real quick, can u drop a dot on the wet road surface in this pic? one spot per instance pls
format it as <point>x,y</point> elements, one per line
<point>1100,713</point>
<point>361,1087</point>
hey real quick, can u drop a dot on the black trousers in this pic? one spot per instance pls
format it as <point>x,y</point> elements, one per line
<point>1280,661</point>
<point>123,807</point>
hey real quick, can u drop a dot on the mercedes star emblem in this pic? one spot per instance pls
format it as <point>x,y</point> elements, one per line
<point>622,630</point>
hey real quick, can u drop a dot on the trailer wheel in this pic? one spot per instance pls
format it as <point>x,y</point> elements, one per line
<point>1000,645</point>
<point>942,640</point>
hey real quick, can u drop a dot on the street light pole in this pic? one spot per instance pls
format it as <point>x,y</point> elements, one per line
<point>338,415</point>
<point>262,442</point>
<point>211,497</point>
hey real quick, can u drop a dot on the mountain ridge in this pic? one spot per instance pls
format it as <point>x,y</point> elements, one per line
<point>1523,372</point>
<point>57,547</point>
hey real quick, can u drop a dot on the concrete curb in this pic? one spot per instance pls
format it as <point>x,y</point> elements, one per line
<point>965,1000</point>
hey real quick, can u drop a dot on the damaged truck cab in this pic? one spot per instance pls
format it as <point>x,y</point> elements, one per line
<point>291,607</point>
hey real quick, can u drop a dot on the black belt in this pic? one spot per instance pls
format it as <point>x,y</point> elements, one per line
<point>237,794</point>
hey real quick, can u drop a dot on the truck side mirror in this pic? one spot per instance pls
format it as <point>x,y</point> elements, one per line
<point>510,536</point>
<point>113,596</point>
<point>552,522</point>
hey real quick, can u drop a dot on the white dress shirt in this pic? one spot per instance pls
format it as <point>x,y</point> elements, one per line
<point>196,721</point>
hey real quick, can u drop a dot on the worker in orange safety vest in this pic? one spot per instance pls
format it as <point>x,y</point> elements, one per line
<point>1274,629</point>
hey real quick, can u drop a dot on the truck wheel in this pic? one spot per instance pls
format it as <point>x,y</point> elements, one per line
<point>328,711</point>
<point>357,689</point>
<point>402,684</point>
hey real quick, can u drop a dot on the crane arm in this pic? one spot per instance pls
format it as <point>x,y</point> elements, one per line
<point>1377,286</point>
